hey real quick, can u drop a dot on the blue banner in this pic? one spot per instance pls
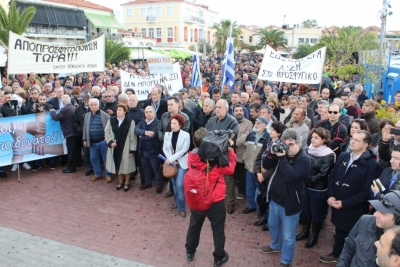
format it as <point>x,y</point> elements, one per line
<point>29,137</point>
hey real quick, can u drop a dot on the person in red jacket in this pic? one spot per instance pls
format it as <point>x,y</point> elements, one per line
<point>216,213</point>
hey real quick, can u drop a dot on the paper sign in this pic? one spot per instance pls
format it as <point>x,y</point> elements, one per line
<point>160,65</point>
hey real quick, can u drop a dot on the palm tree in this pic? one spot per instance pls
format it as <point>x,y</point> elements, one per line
<point>14,21</point>
<point>222,33</point>
<point>272,37</point>
<point>116,52</point>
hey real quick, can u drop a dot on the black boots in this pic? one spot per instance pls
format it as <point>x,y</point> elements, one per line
<point>306,228</point>
<point>316,228</point>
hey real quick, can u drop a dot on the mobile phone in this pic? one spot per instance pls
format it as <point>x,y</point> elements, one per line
<point>380,185</point>
<point>395,131</point>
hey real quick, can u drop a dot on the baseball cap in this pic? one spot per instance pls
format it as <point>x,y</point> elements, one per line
<point>184,90</point>
<point>238,83</point>
<point>388,203</point>
<point>262,120</point>
<point>380,92</point>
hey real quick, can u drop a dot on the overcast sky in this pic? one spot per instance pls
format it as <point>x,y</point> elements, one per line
<point>266,12</point>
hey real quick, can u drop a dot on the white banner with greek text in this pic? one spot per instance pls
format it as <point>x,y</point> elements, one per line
<point>160,65</point>
<point>143,84</point>
<point>306,70</point>
<point>26,55</point>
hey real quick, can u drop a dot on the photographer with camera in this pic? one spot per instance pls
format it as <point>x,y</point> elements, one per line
<point>285,195</point>
<point>390,137</point>
<point>41,105</point>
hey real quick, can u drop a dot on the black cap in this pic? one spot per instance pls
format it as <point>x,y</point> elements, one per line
<point>389,203</point>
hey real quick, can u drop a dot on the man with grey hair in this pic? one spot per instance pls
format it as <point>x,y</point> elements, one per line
<point>93,138</point>
<point>204,114</point>
<point>71,135</point>
<point>320,105</point>
<point>109,104</point>
<point>224,121</point>
<point>123,99</point>
<point>56,102</point>
<point>297,122</point>
<point>358,89</point>
<point>284,195</point>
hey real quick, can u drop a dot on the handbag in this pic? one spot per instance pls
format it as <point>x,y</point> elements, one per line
<point>169,171</point>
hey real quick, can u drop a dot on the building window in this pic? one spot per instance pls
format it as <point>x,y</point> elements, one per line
<point>191,35</point>
<point>158,35</point>
<point>143,31</point>
<point>129,13</point>
<point>158,12</point>
<point>313,40</point>
<point>143,12</point>
<point>151,33</point>
<point>130,30</point>
<point>170,34</point>
<point>170,11</point>
<point>307,40</point>
<point>250,39</point>
<point>301,40</point>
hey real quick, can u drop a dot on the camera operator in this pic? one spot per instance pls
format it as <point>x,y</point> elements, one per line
<point>41,105</point>
<point>33,98</point>
<point>285,195</point>
<point>388,142</point>
<point>9,109</point>
<point>216,213</point>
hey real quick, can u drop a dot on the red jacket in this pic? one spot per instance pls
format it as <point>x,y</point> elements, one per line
<point>220,189</point>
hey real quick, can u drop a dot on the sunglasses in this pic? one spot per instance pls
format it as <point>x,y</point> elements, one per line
<point>386,202</point>
<point>334,112</point>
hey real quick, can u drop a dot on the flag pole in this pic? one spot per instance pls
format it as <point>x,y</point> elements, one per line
<point>322,75</point>
<point>198,66</point>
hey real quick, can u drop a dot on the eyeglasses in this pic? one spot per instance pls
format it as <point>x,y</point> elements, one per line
<point>334,112</point>
<point>386,202</point>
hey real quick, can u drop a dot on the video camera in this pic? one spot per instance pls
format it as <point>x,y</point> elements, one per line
<point>279,147</point>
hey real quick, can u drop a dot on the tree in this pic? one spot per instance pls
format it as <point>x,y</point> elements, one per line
<point>222,33</point>
<point>272,37</point>
<point>309,23</point>
<point>341,47</point>
<point>302,51</point>
<point>200,47</point>
<point>14,21</point>
<point>116,52</point>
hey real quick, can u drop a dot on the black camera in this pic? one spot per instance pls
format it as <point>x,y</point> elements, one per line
<point>280,147</point>
<point>37,105</point>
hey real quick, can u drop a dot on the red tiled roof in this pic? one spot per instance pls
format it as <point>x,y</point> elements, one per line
<point>80,3</point>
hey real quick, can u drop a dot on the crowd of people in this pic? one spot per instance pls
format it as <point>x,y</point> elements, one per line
<point>300,149</point>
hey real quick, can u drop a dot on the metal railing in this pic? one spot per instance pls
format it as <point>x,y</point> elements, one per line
<point>38,30</point>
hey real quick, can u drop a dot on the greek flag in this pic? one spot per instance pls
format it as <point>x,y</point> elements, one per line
<point>195,81</point>
<point>228,65</point>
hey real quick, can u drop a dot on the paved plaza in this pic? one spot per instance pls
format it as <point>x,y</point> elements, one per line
<point>55,219</point>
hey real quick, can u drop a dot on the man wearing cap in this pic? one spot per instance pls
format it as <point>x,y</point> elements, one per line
<point>379,98</point>
<point>79,116</point>
<point>226,93</point>
<point>252,147</point>
<point>388,248</point>
<point>237,87</point>
<point>359,248</point>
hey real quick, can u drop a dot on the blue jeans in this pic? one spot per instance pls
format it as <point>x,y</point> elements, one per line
<point>277,219</point>
<point>177,183</point>
<point>315,204</point>
<point>250,189</point>
<point>151,165</point>
<point>98,151</point>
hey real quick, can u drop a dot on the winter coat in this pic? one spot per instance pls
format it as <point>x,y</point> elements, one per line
<point>127,162</point>
<point>320,169</point>
<point>79,117</point>
<point>215,173</point>
<point>245,128</point>
<point>66,119</point>
<point>153,144</point>
<point>352,185</point>
<point>162,108</point>
<point>164,126</point>
<point>359,248</point>
<point>251,150</point>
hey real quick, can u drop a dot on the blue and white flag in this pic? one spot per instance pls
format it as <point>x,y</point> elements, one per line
<point>228,65</point>
<point>195,81</point>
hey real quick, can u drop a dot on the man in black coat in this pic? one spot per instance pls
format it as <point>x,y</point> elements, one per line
<point>349,189</point>
<point>110,103</point>
<point>160,105</point>
<point>79,116</point>
<point>66,119</point>
<point>56,102</point>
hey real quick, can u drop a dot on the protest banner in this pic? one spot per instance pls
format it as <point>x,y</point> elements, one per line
<point>30,137</point>
<point>26,55</point>
<point>306,70</point>
<point>160,65</point>
<point>143,84</point>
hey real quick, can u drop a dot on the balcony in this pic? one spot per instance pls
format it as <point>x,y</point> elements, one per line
<point>191,19</point>
<point>52,32</point>
<point>201,21</point>
<point>151,18</point>
<point>108,36</point>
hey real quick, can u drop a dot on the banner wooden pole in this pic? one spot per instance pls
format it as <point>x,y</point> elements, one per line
<point>322,75</point>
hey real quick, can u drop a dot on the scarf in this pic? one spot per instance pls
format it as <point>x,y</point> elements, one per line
<point>321,151</point>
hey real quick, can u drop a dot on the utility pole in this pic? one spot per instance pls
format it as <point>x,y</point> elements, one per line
<point>381,53</point>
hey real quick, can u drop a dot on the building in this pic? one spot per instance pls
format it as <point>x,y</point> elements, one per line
<point>173,23</point>
<point>248,36</point>
<point>300,36</point>
<point>70,22</point>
